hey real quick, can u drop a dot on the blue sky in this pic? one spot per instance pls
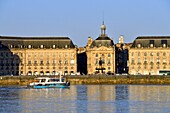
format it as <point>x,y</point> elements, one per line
<point>79,19</point>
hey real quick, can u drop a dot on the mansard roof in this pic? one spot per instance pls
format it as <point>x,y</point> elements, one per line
<point>102,41</point>
<point>36,42</point>
<point>155,41</point>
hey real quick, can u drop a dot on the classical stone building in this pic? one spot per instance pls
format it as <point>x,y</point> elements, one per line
<point>37,56</point>
<point>100,54</point>
<point>150,55</point>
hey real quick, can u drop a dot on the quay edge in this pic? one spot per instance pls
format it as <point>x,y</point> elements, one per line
<point>95,79</point>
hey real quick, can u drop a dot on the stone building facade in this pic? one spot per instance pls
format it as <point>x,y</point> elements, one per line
<point>37,56</point>
<point>100,54</point>
<point>150,55</point>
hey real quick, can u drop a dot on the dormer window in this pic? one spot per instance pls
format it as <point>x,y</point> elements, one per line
<point>53,46</point>
<point>42,46</point>
<point>66,46</point>
<point>21,46</point>
<point>29,46</point>
<point>164,45</point>
<point>139,45</point>
<point>152,42</point>
<point>151,45</point>
<point>11,46</point>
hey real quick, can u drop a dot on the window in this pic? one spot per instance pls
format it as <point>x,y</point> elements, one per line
<point>151,43</point>
<point>41,54</point>
<point>66,54</point>
<point>158,60</point>
<point>96,61</point>
<point>54,61</point>
<point>139,45</point>
<point>164,61</point>
<point>29,46</point>
<point>48,55</point>
<point>164,54</point>
<point>35,62</point>
<point>164,43</point>
<point>72,61</point>
<point>60,62</point>
<point>66,61</point>
<point>145,54</point>
<point>103,61</point>
<point>102,55</point>
<point>133,61</point>
<point>42,46</point>
<point>151,54</point>
<point>41,62</point>
<point>48,62</point>
<point>29,61</point>
<point>29,55</point>
<point>139,54</point>
<point>72,55</point>
<point>60,55</point>
<point>132,53</point>
<point>157,54</point>
<point>35,54</point>
<point>109,61</point>
<point>96,55</point>
<point>53,54</point>
<point>109,55</point>
<point>53,46</point>
<point>139,61</point>
<point>151,60</point>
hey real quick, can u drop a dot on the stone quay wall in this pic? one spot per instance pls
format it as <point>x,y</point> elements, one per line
<point>93,79</point>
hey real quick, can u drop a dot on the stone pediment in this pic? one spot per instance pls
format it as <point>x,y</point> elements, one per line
<point>103,48</point>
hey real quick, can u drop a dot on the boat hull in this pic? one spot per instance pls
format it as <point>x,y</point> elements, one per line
<point>51,86</point>
<point>40,86</point>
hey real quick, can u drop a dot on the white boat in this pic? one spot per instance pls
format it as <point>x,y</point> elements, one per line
<point>47,82</point>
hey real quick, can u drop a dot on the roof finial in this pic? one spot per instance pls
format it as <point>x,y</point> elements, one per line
<point>103,29</point>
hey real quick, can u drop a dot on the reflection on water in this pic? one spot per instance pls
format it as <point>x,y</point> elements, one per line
<point>87,98</point>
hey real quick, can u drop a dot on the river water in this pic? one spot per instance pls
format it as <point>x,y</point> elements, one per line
<point>86,99</point>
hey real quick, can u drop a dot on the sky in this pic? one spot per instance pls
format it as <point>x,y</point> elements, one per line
<point>79,19</point>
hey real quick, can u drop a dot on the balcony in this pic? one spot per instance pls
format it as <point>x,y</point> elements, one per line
<point>139,63</point>
<point>29,64</point>
<point>41,64</point>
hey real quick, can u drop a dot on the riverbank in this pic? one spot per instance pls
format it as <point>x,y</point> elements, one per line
<point>95,79</point>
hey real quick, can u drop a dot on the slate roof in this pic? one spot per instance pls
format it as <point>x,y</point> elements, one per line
<point>36,42</point>
<point>156,41</point>
<point>102,41</point>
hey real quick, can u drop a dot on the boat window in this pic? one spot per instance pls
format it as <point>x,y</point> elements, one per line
<point>54,80</point>
<point>43,80</point>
